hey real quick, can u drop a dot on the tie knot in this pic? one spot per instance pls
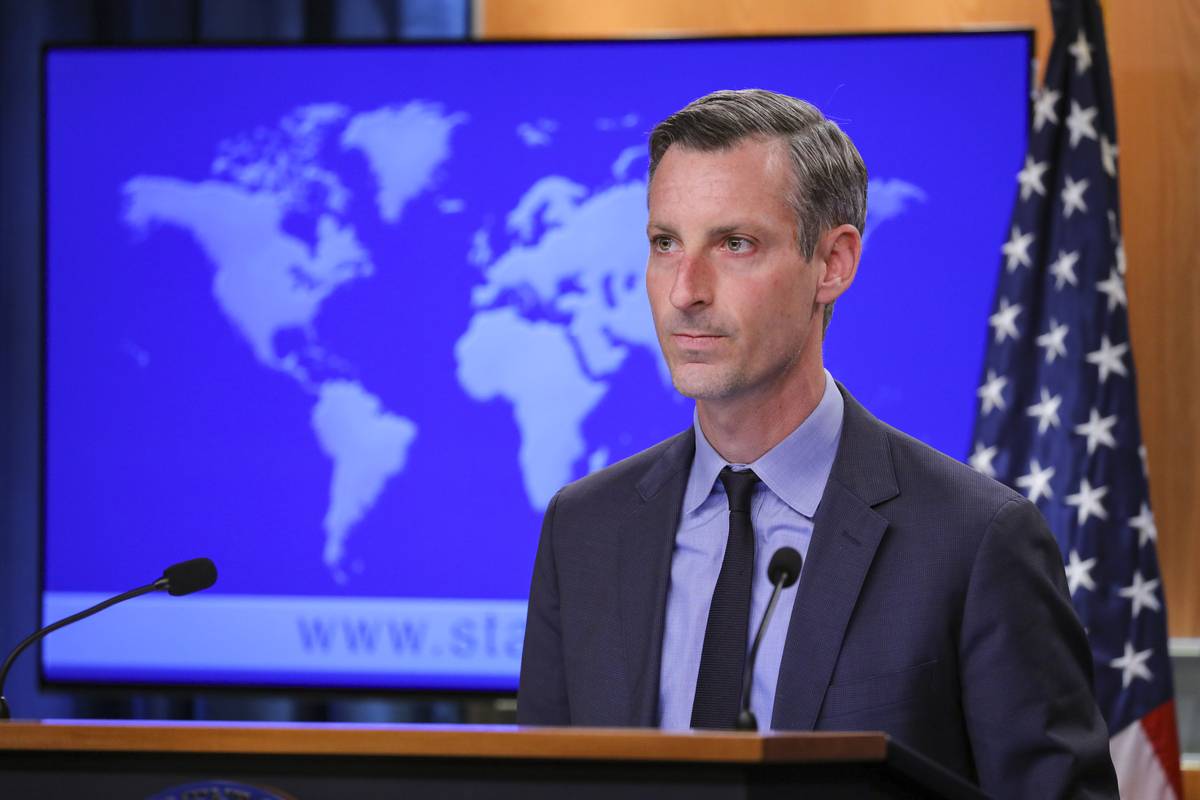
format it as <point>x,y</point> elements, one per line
<point>739,487</point>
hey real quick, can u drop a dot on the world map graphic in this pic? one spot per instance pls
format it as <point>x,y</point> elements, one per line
<point>551,287</point>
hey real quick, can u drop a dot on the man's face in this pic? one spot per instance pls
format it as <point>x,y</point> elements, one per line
<point>731,293</point>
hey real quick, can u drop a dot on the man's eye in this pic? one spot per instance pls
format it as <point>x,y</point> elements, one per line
<point>662,244</point>
<point>736,244</point>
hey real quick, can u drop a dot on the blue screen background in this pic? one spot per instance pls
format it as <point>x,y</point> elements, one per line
<point>167,438</point>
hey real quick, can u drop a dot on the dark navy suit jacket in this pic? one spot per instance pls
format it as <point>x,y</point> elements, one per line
<point>933,606</point>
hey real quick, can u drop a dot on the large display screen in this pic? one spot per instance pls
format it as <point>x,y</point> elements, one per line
<point>343,319</point>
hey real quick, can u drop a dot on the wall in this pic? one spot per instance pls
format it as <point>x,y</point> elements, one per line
<point>1156,77</point>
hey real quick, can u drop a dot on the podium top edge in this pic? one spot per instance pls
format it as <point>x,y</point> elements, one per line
<point>445,741</point>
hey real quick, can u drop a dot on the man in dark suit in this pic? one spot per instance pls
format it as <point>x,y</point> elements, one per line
<point>932,603</point>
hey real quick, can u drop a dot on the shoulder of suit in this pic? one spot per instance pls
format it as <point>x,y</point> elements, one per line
<point>923,470</point>
<point>647,468</point>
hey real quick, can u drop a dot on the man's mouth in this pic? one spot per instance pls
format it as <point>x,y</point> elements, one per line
<point>695,339</point>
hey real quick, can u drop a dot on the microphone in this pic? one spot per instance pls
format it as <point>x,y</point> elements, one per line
<point>187,577</point>
<point>178,579</point>
<point>782,572</point>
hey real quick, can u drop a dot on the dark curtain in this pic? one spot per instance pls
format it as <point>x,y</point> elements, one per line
<point>25,27</point>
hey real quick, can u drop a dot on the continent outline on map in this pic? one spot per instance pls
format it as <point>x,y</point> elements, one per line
<point>267,281</point>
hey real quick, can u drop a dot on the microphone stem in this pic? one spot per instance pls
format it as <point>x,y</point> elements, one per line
<point>748,678</point>
<point>87,612</point>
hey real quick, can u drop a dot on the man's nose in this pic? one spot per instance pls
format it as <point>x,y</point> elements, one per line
<point>693,282</point>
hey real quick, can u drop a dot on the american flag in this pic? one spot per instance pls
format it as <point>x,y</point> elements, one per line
<point>1058,413</point>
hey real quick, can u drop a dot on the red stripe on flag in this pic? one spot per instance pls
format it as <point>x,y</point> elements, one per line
<point>1163,734</point>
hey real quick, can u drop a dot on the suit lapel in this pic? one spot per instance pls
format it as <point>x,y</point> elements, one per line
<point>647,542</point>
<point>846,534</point>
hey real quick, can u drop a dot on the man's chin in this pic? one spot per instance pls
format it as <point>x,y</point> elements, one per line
<point>702,382</point>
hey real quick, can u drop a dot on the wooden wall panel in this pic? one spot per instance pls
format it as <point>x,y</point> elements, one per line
<point>1156,78</point>
<point>1156,75</point>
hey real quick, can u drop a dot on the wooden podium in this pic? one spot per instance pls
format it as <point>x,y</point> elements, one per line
<point>73,759</point>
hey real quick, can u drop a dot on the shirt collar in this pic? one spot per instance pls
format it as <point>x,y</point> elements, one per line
<point>796,469</point>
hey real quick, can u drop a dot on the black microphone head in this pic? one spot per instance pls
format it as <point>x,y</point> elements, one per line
<point>190,576</point>
<point>785,565</point>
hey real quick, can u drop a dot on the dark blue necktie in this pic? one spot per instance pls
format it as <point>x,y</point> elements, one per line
<point>719,682</point>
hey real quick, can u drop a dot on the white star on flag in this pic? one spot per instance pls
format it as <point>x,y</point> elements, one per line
<point>1114,287</point>
<point>1079,573</point>
<point>1005,320</point>
<point>1063,269</point>
<point>1030,177</point>
<point>1141,592</point>
<point>1016,249</point>
<point>1080,122</point>
<point>1054,341</point>
<point>1143,523</point>
<point>1120,256</point>
<point>1072,197</point>
<point>1082,51</point>
<point>1046,411</point>
<point>1132,665</point>
<point>1044,103</point>
<point>981,459</point>
<point>1037,481</point>
<point>1098,431</point>
<point>991,392</point>
<point>1108,359</point>
<point>1108,156</point>
<point>1088,501</point>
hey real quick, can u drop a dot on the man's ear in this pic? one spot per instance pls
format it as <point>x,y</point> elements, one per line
<point>840,249</point>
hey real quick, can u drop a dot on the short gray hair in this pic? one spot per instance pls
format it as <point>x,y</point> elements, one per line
<point>830,186</point>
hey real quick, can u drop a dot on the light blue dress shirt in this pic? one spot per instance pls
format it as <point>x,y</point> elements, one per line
<point>793,476</point>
